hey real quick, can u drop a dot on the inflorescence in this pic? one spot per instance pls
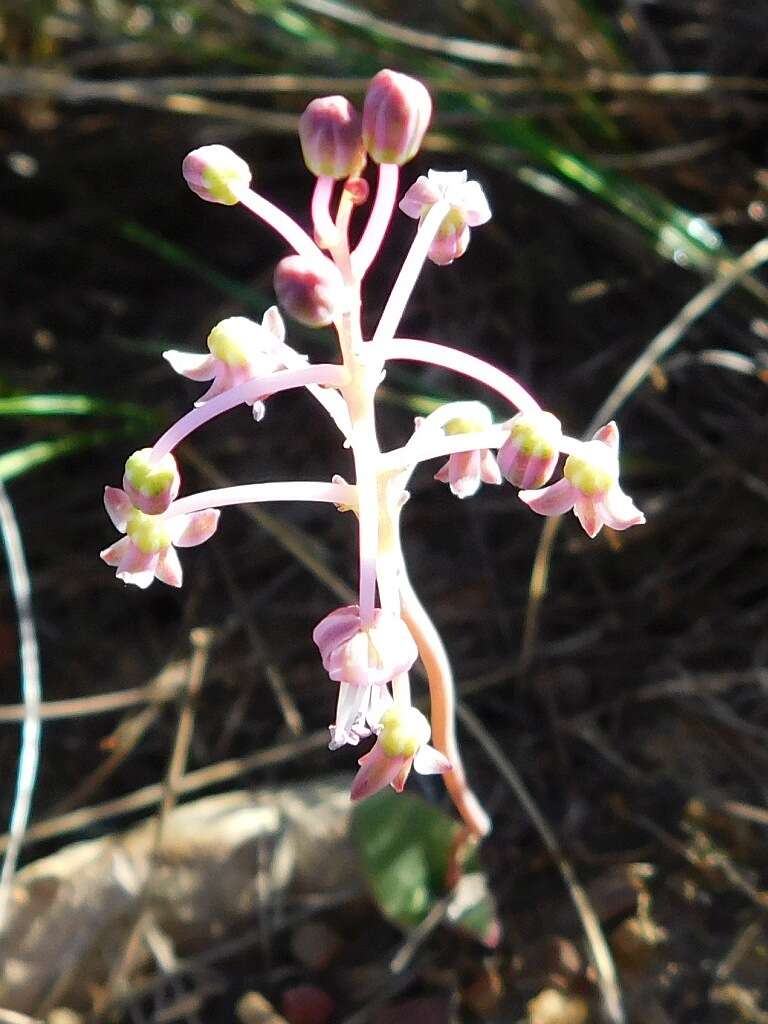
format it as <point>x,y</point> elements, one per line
<point>369,648</point>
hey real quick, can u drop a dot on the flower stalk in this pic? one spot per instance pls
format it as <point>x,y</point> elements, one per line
<point>368,649</point>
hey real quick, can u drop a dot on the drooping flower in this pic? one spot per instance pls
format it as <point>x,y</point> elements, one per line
<point>468,209</point>
<point>239,350</point>
<point>529,455</point>
<point>147,551</point>
<point>151,486</point>
<point>396,113</point>
<point>364,656</point>
<point>402,743</point>
<point>465,471</point>
<point>590,486</point>
<point>362,660</point>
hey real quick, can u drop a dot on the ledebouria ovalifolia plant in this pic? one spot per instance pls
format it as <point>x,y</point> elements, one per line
<point>368,648</point>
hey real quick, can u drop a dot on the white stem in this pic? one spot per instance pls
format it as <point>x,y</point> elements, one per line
<point>419,449</point>
<point>293,490</point>
<point>462,362</point>
<point>409,272</point>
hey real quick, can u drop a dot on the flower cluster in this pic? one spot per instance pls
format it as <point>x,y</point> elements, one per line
<point>368,649</point>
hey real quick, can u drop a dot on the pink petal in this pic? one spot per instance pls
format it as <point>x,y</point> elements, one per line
<point>191,365</point>
<point>274,323</point>
<point>619,511</point>
<point>222,382</point>
<point>114,554</point>
<point>118,506</point>
<point>136,567</point>
<point>552,500</point>
<point>609,434</point>
<point>199,528</point>
<point>337,627</point>
<point>464,473</point>
<point>428,761</point>
<point>474,205</point>
<point>489,468</point>
<point>168,569</point>
<point>587,511</point>
<point>376,771</point>
<point>422,194</point>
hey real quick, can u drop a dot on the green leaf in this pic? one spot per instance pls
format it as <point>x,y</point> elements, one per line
<point>72,405</point>
<point>406,847</point>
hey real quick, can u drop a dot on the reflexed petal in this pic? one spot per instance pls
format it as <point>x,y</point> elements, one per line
<point>118,506</point>
<point>221,383</point>
<point>199,528</point>
<point>376,771</point>
<point>474,205</point>
<point>168,569</point>
<point>191,365</point>
<point>114,554</point>
<point>274,323</point>
<point>136,567</point>
<point>428,761</point>
<point>421,195</point>
<point>552,500</point>
<point>587,511</point>
<point>137,579</point>
<point>609,434</point>
<point>336,628</point>
<point>619,511</point>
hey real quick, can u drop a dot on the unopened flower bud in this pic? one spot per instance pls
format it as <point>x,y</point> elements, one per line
<point>310,294</point>
<point>331,137</point>
<point>215,174</point>
<point>396,114</point>
<point>151,486</point>
<point>529,455</point>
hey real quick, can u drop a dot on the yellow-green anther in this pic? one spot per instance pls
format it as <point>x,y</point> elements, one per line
<point>150,534</point>
<point>151,478</point>
<point>594,472</point>
<point>404,731</point>
<point>234,340</point>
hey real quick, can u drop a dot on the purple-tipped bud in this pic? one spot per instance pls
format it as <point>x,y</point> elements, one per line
<point>396,114</point>
<point>331,138</point>
<point>151,486</point>
<point>310,294</point>
<point>529,455</point>
<point>216,174</point>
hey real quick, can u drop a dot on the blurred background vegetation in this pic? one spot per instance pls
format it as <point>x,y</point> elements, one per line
<point>622,146</point>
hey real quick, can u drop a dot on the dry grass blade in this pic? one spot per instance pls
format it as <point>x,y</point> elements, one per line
<point>30,685</point>
<point>607,978</point>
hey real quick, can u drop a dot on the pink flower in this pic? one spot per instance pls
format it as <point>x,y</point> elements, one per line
<point>590,486</point>
<point>402,743</point>
<point>465,471</point>
<point>529,455</point>
<point>396,113</point>
<point>216,174</point>
<point>240,350</point>
<point>147,551</point>
<point>364,656</point>
<point>151,486</point>
<point>330,132</point>
<point>362,661</point>
<point>468,209</point>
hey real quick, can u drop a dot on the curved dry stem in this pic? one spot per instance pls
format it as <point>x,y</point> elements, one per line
<point>443,706</point>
